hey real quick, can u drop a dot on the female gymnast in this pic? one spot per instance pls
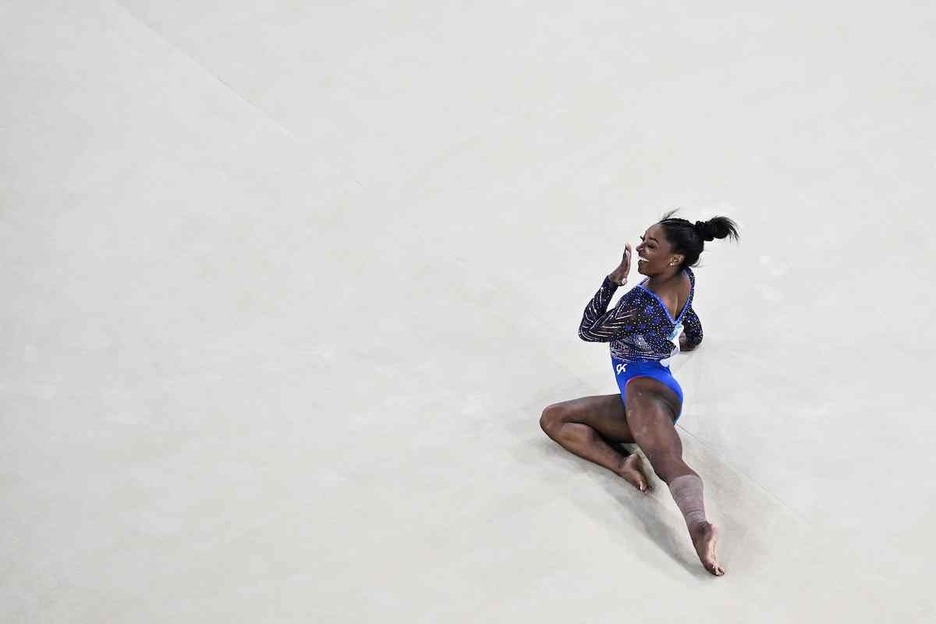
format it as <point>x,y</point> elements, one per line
<point>651,323</point>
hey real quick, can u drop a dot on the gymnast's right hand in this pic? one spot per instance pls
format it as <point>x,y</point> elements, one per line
<point>619,275</point>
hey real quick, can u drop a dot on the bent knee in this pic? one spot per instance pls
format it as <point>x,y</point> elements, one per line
<point>552,418</point>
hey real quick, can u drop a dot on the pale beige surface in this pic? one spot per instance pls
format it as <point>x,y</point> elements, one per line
<point>285,288</point>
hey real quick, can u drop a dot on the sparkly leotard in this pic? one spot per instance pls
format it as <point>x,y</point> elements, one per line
<point>642,332</point>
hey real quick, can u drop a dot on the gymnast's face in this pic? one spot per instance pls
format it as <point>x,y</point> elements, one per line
<point>655,252</point>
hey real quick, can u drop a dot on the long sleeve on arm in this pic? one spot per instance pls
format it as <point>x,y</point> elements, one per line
<point>600,325</point>
<point>693,328</point>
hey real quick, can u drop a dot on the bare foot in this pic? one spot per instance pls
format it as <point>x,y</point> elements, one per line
<point>632,471</point>
<point>704,535</point>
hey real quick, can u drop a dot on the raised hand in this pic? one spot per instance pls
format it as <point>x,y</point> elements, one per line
<point>619,275</point>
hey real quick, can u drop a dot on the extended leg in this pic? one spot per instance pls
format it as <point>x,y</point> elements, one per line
<point>651,408</point>
<point>585,426</point>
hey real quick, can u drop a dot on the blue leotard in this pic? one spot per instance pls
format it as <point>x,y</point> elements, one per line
<point>642,332</point>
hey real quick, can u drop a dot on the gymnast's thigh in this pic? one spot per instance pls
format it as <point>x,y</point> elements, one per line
<point>605,414</point>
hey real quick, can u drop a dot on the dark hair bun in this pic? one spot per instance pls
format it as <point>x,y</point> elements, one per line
<point>719,227</point>
<point>704,230</point>
<point>689,239</point>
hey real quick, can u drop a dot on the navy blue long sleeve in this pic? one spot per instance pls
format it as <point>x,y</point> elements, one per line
<point>693,328</point>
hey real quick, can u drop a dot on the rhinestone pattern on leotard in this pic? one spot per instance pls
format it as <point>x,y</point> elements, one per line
<point>639,327</point>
